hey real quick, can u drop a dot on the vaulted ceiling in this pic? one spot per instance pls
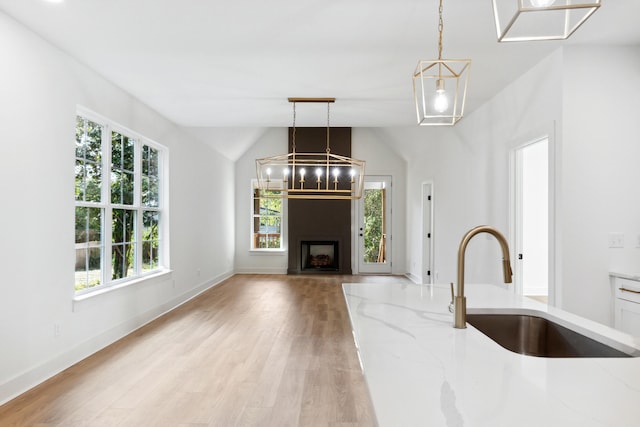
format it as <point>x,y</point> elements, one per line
<point>219,63</point>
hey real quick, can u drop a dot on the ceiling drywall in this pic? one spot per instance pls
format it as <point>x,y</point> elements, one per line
<point>206,63</point>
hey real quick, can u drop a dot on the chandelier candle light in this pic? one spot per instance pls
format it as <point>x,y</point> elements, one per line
<point>528,20</point>
<point>440,87</point>
<point>334,177</point>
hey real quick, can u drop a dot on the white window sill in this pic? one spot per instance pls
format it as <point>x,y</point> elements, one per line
<point>152,278</point>
<point>273,252</point>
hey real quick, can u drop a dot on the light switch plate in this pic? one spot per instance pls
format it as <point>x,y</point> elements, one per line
<point>616,240</point>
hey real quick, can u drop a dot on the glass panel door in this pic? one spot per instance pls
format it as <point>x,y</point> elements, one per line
<point>374,255</point>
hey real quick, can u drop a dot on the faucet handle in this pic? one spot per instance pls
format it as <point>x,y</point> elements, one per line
<point>452,298</point>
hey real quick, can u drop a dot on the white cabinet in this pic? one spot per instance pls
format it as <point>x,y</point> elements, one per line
<point>626,304</point>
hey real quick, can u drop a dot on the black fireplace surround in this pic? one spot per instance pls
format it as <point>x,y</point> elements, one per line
<point>312,220</point>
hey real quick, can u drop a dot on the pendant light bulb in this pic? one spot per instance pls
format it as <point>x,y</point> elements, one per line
<point>542,3</point>
<point>440,103</point>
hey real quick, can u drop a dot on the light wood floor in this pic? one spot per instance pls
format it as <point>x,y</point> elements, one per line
<point>256,350</point>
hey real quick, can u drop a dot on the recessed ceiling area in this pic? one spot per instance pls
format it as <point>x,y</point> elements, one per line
<point>234,64</point>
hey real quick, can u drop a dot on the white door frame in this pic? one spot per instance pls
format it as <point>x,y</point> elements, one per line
<point>427,259</point>
<point>514,191</point>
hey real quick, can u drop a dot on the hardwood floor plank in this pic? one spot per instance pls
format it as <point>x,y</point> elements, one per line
<point>256,350</point>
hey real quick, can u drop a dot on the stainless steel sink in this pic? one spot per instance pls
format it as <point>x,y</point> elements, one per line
<point>537,336</point>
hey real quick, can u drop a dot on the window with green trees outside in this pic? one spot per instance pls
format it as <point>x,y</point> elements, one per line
<point>118,178</point>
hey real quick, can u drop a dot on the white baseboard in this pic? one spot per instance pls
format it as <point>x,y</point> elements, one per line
<point>415,279</point>
<point>38,374</point>
<point>538,291</point>
<point>262,271</point>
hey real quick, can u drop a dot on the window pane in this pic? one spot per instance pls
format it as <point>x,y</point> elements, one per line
<point>276,223</point>
<point>150,244</point>
<point>145,160</point>
<point>128,154</point>
<point>116,150</point>
<point>81,281</point>
<point>93,142</point>
<point>88,140</point>
<point>149,161</point>
<point>123,226</point>
<point>150,221</point>
<point>270,225</point>
<point>80,180</point>
<point>122,152</point>
<point>153,162</point>
<point>88,168</point>
<point>149,255</point>
<point>88,226</point>
<point>150,190</point>
<point>80,141</point>
<point>122,187</point>
<point>122,256</point>
<point>81,224</point>
<point>88,247</point>
<point>273,242</point>
<point>93,181</point>
<point>94,227</point>
<point>122,169</point>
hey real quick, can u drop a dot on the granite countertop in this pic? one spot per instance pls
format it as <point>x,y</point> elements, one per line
<point>420,371</point>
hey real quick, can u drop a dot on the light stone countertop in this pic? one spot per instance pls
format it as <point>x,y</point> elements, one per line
<point>420,371</point>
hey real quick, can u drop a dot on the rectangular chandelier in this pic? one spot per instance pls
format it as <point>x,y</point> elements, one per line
<point>310,176</point>
<point>528,20</point>
<point>319,175</point>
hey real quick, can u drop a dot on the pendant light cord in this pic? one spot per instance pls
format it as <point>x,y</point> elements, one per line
<point>440,28</point>
<point>328,126</point>
<point>293,132</point>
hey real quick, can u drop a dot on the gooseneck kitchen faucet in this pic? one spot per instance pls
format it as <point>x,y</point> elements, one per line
<point>460,301</point>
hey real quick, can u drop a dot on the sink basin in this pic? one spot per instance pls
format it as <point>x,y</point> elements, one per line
<point>537,336</point>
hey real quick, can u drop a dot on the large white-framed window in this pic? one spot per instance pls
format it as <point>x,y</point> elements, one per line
<point>267,216</point>
<point>120,206</point>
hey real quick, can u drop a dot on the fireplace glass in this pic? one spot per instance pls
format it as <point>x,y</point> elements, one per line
<point>319,255</point>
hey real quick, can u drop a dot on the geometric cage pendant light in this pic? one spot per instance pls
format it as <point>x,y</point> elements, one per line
<point>440,87</point>
<point>527,20</point>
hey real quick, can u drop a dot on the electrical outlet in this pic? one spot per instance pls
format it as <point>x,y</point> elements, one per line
<point>56,330</point>
<point>616,240</point>
<point>638,241</point>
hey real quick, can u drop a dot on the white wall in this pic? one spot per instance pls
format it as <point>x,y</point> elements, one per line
<point>601,173</point>
<point>271,142</point>
<point>40,87</point>
<point>469,166</point>
<point>371,144</point>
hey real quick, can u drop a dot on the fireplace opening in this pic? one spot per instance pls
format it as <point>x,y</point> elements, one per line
<point>321,255</point>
